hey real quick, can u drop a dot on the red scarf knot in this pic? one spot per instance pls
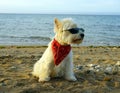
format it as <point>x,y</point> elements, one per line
<point>59,51</point>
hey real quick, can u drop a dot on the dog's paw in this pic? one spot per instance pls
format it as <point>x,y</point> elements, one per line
<point>42,80</point>
<point>71,78</point>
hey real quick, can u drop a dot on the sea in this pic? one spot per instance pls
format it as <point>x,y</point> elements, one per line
<point>37,29</point>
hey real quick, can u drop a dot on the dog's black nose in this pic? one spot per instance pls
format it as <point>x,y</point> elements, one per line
<point>82,35</point>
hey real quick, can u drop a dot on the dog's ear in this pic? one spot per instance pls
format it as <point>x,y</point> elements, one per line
<point>58,24</point>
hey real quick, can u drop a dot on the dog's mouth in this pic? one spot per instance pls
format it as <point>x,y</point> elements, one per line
<point>78,40</point>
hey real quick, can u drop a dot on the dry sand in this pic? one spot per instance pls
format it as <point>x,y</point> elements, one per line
<point>16,64</point>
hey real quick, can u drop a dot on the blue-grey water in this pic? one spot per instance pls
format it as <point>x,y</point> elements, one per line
<point>37,29</point>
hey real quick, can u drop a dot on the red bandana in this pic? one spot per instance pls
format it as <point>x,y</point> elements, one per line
<point>59,51</point>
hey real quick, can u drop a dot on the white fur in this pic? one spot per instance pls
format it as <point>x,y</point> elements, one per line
<point>45,68</point>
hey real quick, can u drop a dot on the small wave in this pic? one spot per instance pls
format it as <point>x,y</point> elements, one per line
<point>29,37</point>
<point>39,37</point>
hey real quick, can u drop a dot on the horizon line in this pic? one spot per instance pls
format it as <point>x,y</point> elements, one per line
<point>67,13</point>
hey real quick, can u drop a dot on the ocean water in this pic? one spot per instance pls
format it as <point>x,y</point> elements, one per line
<point>37,29</point>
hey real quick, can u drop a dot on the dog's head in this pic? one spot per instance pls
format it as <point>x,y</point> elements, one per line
<point>67,32</point>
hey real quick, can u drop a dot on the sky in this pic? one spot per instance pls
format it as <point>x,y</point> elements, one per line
<point>61,6</point>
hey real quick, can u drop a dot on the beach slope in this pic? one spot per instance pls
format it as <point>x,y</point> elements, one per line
<point>96,68</point>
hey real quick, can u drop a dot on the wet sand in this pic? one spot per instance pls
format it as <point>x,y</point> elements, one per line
<point>16,65</point>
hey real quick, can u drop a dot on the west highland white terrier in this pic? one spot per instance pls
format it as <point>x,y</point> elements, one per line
<point>57,60</point>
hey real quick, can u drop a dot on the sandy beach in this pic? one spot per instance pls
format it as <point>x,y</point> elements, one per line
<point>96,68</point>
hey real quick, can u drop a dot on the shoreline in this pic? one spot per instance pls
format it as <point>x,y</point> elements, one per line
<point>38,46</point>
<point>16,64</point>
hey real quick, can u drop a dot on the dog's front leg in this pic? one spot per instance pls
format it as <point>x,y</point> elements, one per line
<point>46,71</point>
<point>69,74</point>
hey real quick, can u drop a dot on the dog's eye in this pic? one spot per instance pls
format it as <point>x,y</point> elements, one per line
<point>74,30</point>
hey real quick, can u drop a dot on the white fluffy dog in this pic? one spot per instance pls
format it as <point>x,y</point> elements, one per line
<point>57,60</point>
